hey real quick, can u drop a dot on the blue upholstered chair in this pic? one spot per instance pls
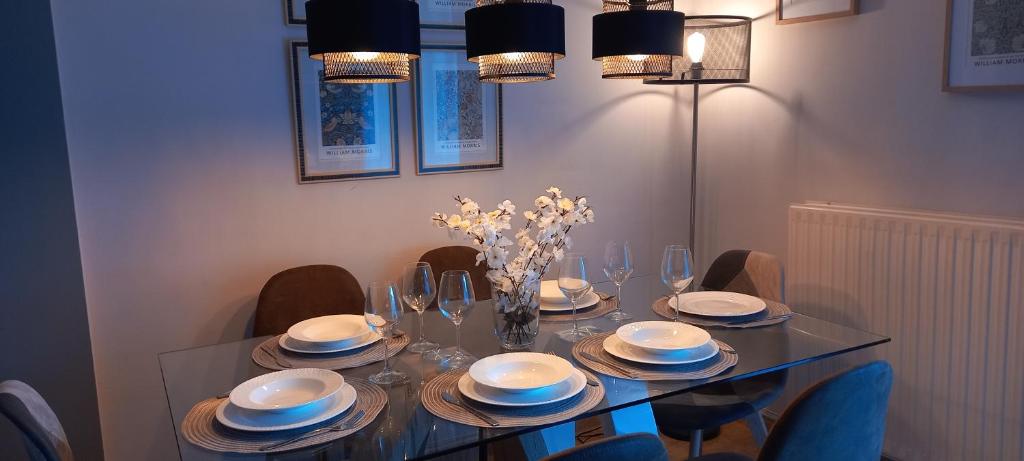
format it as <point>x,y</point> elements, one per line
<point>691,415</point>
<point>842,417</point>
<point>41,430</point>
<point>641,446</point>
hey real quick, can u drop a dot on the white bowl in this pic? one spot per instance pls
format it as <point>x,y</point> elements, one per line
<point>330,330</point>
<point>286,390</point>
<point>551,294</point>
<point>520,371</point>
<point>659,337</point>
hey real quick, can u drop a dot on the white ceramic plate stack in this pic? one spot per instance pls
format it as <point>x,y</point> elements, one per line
<point>661,343</point>
<point>553,300</point>
<point>328,334</point>
<point>521,379</point>
<point>284,400</point>
<point>720,304</point>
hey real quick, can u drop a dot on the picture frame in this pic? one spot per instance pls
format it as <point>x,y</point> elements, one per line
<point>984,47</point>
<point>342,131</point>
<point>434,14</point>
<point>451,135</point>
<point>797,11</point>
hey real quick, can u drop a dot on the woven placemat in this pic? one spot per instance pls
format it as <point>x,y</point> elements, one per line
<point>774,312</point>
<point>270,355</point>
<point>201,427</point>
<point>507,416</point>
<point>700,370</point>
<point>600,309</point>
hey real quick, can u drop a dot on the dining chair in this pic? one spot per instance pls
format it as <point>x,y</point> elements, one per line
<point>695,415</point>
<point>640,446</point>
<point>842,417</point>
<point>459,258</point>
<point>305,292</point>
<point>41,430</point>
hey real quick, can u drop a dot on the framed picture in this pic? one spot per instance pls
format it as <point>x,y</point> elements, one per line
<point>434,14</point>
<point>984,45</point>
<point>342,131</point>
<point>794,11</point>
<point>457,118</point>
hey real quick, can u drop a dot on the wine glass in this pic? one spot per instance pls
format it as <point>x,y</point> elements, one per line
<point>455,298</point>
<point>418,290</point>
<point>383,312</point>
<point>573,281</point>
<point>677,271</point>
<point>618,266</point>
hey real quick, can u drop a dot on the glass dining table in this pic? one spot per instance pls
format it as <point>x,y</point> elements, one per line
<point>404,430</point>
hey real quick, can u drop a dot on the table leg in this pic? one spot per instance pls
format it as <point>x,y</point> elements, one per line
<point>629,420</point>
<point>545,442</point>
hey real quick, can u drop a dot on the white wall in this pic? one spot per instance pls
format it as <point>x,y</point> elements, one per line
<point>179,130</point>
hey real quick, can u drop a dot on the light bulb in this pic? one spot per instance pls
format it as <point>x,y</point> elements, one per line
<point>365,55</point>
<point>637,57</point>
<point>515,56</point>
<point>695,47</point>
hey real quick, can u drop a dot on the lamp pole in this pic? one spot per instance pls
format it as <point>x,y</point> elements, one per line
<point>693,173</point>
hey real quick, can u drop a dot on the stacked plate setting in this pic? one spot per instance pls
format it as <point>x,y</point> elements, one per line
<point>521,379</point>
<point>553,300</point>
<point>661,343</point>
<point>285,400</point>
<point>722,305</point>
<point>328,334</point>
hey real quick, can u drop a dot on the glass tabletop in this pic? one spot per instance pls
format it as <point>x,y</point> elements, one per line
<point>405,430</point>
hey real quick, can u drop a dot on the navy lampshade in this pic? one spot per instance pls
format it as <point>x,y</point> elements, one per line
<point>515,41</point>
<point>364,41</point>
<point>637,39</point>
<point>717,50</point>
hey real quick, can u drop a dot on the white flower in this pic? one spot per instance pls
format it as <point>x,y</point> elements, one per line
<point>566,204</point>
<point>554,191</point>
<point>530,216</point>
<point>543,201</point>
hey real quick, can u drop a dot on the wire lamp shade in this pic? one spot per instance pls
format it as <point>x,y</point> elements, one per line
<point>637,38</point>
<point>364,41</point>
<point>725,53</point>
<point>515,41</point>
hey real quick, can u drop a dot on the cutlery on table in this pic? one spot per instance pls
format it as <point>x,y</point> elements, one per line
<point>605,297</point>
<point>608,364</point>
<point>447,396</point>
<point>766,319</point>
<point>345,425</point>
<point>281,361</point>
<point>726,348</point>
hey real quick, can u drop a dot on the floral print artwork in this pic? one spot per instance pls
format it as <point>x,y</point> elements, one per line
<point>998,27</point>
<point>346,114</point>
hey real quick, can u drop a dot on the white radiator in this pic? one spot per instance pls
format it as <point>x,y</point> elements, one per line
<point>949,291</point>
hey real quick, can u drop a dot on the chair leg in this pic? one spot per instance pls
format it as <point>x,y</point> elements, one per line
<point>755,422</point>
<point>696,439</point>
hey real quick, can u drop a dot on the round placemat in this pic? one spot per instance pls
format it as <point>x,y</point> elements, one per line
<point>774,313</point>
<point>714,366</point>
<point>200,426</point>
<point>507,416</point>
<point>270,355</point>
<point>601,309</point>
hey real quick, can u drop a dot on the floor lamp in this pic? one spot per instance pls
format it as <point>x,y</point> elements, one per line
<point>717,51</point>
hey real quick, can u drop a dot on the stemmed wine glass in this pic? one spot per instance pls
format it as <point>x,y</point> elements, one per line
<point>418,291</point>
<point>573,281</point>
<point>618,266</point>
<point>677,272</point>
<point>382,314</point>
<point>455,298</point>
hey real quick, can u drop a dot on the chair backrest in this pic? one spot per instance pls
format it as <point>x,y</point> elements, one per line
<point>459,258</point>
<point>640,446</point>
<point>43,434</point>
<point>842,417</point>
<point>305,292</point>
<point>748,272</point>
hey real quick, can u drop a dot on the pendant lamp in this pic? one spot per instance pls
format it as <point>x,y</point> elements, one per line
<point>637,39</point>
<point>364,41</point>
<point>515,41</point>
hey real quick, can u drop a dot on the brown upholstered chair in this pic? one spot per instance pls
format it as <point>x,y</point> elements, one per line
<point>305,292</point>
<point>40,429</point>
<point>459,258</point>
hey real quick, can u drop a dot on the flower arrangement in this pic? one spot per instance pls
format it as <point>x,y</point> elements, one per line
<point>515,267</point>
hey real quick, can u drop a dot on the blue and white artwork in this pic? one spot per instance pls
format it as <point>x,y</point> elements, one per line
<point>985,45</point>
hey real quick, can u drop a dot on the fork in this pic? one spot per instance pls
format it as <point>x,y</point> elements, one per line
<point>609,364</point>
<point>447,396</point>
<point>727,348</point>
<point>605,297</point>
<point>766,319</point>
<point>345,425</point>
<point>281,361</point>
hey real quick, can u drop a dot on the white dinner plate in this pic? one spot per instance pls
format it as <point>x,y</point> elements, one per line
<point>329,331</point>
<point>519,372</point>
<point>475,391</point>
<point>614,346</point>
<point>287,343</point>
<point>588,300</point>
<point>662,338</point>
<point>717,304</point>
<point>286,390</point>
<point>261,421</point>
<point>551,294</point>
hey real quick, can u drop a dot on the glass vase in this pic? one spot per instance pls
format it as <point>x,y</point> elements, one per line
<point>517,316</point>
